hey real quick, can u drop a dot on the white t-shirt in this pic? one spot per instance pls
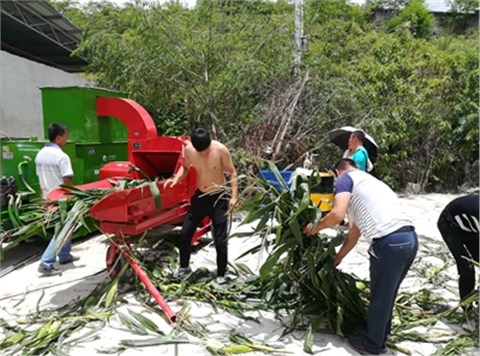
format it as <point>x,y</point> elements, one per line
<point>374,206</point>
<point>52,165</point>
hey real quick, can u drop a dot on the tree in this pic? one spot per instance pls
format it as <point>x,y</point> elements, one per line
<point>416,17</point>
<point>229,66</point>
<point>203,67</point>
<point>464,6</point>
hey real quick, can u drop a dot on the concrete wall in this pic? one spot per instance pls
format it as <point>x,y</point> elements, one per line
<point>445,22</point>
<point>21,101</point>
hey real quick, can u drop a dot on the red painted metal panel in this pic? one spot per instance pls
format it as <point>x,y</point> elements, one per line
<point>60,193</point>
<point>170,217</point>
<point>137,120</point>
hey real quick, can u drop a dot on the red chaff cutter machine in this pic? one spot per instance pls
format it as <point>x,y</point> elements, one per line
<point>133,211</point>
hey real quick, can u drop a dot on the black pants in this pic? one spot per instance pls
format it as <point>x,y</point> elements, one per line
<point>215,206</point>
<point>460,243</point>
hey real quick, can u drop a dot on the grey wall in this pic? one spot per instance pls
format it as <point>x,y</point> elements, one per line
<point>20,97</point>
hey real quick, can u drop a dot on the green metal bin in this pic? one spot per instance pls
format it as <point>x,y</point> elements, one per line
<point>76,108</point>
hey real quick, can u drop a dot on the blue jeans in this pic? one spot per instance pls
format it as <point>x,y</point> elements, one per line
<point>49,258</point>
<point>390,259</point>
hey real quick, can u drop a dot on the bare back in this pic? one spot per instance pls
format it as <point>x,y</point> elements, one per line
<point>210,165</point>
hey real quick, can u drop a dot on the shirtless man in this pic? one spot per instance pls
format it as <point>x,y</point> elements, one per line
<point>211,160</point>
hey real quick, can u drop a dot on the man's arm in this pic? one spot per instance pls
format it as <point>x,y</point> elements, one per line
<point>232,175</point>
<point>181,173</point>
<point>334,217</point>
<point>348,244</point>
<point>66,170</point>
<point>68,180</point>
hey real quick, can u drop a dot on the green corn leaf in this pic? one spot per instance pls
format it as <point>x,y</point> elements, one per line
<point>12,340</point>
<point>278,176</point>
<point>296,230</point>
<point>155,194</point>
<point>154,341</point>
<point>273,258</point>
<point>253,250</point>
<point>242,234</point>
<point>244,268</point>
<point>308,341</point>
<point>262,223</point>
<point>132,324</point>
<point>70,225</point>
<point>112,293</point>
<point>63,209</point>
<point>43,331</point>
<point>259,213</point>
<point>146,322</point>
<point>236,349</point>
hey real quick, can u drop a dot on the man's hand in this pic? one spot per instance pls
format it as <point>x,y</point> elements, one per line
<point>336,260</point>
<point>232,203</point>
<point>308,230</point>
<point>170,182</point>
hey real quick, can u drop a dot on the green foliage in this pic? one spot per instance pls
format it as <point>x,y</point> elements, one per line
<point>387,4</point>
<point>228,65</point>
<point>416,17</point>
<point>71,10</point>
<point>464,6</point>
<point>462,17</point>
<point>321,12</point>
<point>204,67</point>
<point>459,345</point>
<point>405,92</point>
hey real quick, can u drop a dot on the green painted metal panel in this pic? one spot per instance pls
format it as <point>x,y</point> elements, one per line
<point>76,108</point>
<point>86,158</point>
<point>21,150</point>
<point>90,157</point>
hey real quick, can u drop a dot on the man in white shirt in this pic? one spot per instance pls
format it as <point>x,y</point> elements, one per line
<point>374,209</point>
<point>53,168</point>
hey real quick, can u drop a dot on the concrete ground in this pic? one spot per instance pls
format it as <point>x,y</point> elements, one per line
<point>23,293</point>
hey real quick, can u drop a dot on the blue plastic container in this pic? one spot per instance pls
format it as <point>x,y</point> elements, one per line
<point>270,177</point>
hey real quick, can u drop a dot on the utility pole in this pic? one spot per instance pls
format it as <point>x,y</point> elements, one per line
<point>300,40</point>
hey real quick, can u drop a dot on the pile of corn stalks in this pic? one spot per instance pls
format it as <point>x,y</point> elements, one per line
<point>298,276</point>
